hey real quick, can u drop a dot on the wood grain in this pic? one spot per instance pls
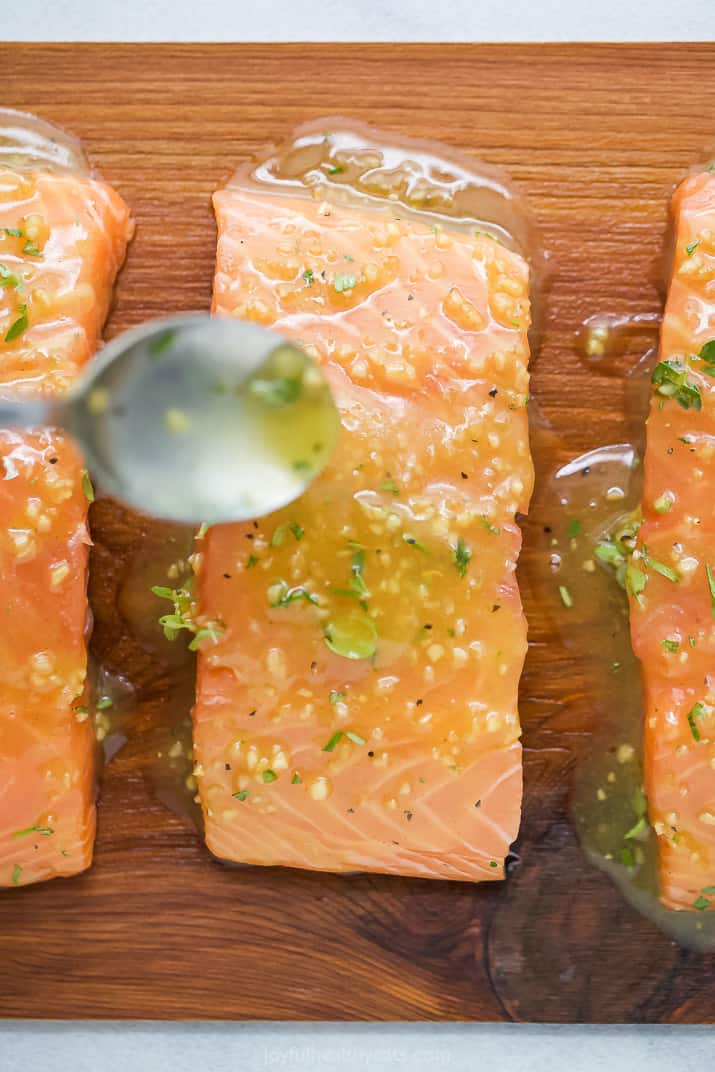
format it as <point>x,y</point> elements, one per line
<point>596,136</point>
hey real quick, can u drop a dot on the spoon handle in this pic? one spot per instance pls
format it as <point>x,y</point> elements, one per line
<point>29,412</point>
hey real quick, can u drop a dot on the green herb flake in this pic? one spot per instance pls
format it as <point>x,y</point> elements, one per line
<point>711,586</point>
<point>708,889</point>
<point>281,595</point>
<point>637,829</point>
<point>707,351</point>
<point>391,486</point>
<point>344,281</point>
<point>213,631</point>
<point>670,645</point>
<point>692,247</point>
<point>252,561</point>
<point>18,326</point>
<point>269,776</point>
<point>330,746</point>
<point>565,596</point>
<point>296,779</point>
<point>161,344</point>
<point>308,277</point>
<point>354,737</point>
<point>16,872</point>
<point>336,697</point>
<point>575,528</point>
<point>335,169</point>
<point>701,903</point>
<point>241,794</point>
<point>12,232</point>
<point>352,637</point>
<point>43,831</point>
<point>494,529</point>
<point>696,711</point>
<point>281,532</point>
<point>87,486</point>
<point>462,557</point>
<point>610,554</point>
<point>660,567</point>
<point>670,379</point>
<point>635,580</point>
<point>280,391</point>
<point>301,466</point>
<point>663,503</point>
<point>626,857</point>
<point>104,703</point>
<point>8,278</point>
<point>31,249</point>
<point>493,863</point>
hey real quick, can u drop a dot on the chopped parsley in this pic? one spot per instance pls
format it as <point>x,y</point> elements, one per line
<point>663,503</point>
<point>296,779</point>
<point>269,776</point>
<point>462,557</point>
<point>182,617</point>
<point>335,169</point>
<point>610,554</point>
<point>336,697</point>
<point>253,560</point>
<point>627,857</point>
<point>566,598</point>
<point>635,580</point>
<point>670,645</point>
<point>87,486</point>
<point>660,567</point>
<point>391,486</point>
<point>280,391</point>
<point>692,247</point>
<point>711,587</point>
<point>355,737</point>
<point>707,351</point>
<point>493,863</point>
<point>18,326</point>
<point>242,794</point>
<point>695,712</point>
<point>281,595</point>
<point>344,281</point>
<point>44,831</point>
<point>104,703</point>
<point>575,528</point>
<point>308,277</point>
<point>701,903</point>
<point>637,829</point>
<point>671,381</point>
<point>281,532</point>
<point>8,278</point>
<point>353,636</point>
<point>16,872</point>
<point>31,249</point>
<point>13,232</point>
<point>337,736</point>
<point>494,529</point>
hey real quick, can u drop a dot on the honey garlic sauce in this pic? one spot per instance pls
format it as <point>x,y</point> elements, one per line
<point>586,501</point>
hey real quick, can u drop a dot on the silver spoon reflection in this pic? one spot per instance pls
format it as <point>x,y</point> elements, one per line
<point>196,419</point>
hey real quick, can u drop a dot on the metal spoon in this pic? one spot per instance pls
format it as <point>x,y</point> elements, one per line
<point>196,418</point>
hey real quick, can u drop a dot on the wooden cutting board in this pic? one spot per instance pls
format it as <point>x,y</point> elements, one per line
<point>596,136</point>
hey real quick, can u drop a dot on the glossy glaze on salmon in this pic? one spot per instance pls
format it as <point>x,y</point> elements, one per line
<point>673,588</point>
<point>359,709</point>
<point>62,241</point>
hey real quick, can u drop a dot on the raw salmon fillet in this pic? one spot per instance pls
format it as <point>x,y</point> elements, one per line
<point>673,599</point>
<point>62,241</point>
<point>359,709</point>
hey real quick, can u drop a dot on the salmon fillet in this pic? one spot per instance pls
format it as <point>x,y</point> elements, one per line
<point>62,241</point>
<point>359,709</point>
<point>672,592</point>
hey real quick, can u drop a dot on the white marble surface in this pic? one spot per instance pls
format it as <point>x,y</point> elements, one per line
<point>352,1048</point>
<point>358,20</point>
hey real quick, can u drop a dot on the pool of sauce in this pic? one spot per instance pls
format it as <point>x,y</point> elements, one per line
<point>587,500</point>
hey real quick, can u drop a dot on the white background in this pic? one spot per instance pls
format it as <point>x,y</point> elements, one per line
<point>219,1048</point>
<point>357,20</point>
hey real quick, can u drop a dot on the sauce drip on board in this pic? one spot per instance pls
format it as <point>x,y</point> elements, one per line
<point>587,500</point>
